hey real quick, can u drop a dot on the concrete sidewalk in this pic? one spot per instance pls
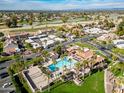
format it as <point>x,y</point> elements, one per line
<point>107,83</point>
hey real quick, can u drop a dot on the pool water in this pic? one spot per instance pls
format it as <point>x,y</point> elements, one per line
<point>62,63</point>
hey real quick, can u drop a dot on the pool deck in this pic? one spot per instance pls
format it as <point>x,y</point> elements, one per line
<point>61,63</point>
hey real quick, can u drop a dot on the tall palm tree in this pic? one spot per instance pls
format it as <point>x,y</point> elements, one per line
<point>16,57</point>
<point>78,67</point>
<point>47,73</point>
<point>91,65</point>
<point>70,62</point>
<point>63,56</point>
<point>86,63</point>
<point>83,65</point>
<point>54,62</point>
<point>65,68</point>
<point>45,54</point>
<point>45,41</point>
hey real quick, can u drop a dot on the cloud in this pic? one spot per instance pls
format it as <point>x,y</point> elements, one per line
<point>109,4</point>
<point>59,4</point>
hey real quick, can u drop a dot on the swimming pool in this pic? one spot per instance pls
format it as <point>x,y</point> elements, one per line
<point>61,63</point>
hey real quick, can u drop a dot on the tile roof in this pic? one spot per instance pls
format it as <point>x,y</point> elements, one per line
<point>85,54</point>
<point>99,58</point>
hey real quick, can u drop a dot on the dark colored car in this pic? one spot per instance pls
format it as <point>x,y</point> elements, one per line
<point>29,59</point>
<point>12,91</point>
<point>2,68</point>
<point>3,75</point>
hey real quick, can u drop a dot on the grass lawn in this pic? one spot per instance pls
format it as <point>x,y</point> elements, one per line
<point>117,70</point>
<point>92,84</point>
<point>118,51</point>
<point>85,45</point>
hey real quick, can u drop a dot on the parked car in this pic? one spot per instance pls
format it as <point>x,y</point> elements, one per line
<point>12,91</point>
<point>7,85</point>
<point>28,59</point>
<point>3,75</point>
<point>2,68</point>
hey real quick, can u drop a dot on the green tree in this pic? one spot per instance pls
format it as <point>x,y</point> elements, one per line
<point>16,57</point>
<point>22,20</point>
<point>114,57</point>
<point>40,18</point>
<point>1,34</point>
<point>78,67</point>
<point>104,42</point>
<point>30,22</point>
<point>64,19</point>
<point>117,69</point>
<point>8,23</point>
<point>14,21</point>
<point>58,49</point>
<point>38,60</point>
<point>45,53</point>
<point>1,47</point>
<point>120,29</point>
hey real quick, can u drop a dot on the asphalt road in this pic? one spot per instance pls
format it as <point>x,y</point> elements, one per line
<point>84,39</point>
<point>8,79</point>
<point>106,52</point>
<point>8,89</point>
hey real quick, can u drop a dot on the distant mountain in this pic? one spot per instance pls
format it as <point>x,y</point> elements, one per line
<point>99,9</point>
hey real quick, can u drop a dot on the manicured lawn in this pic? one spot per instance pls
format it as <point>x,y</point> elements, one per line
<point>118,51</point>
<point>117,69</point>
<point>92,84</point>
<point>85,45</point>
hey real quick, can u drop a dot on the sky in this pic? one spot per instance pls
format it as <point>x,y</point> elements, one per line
<point>59,4</point>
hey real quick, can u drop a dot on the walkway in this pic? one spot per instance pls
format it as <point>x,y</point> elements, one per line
<point>108,81</point>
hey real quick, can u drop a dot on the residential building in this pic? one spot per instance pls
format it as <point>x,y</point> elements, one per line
<point>119,43</point>
<point>10,46</point>
<point>106,37</point>
<point>43,40</point>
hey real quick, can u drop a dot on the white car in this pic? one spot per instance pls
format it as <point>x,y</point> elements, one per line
<point>6,85</point>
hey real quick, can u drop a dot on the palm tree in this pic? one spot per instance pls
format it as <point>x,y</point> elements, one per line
<point>91,65</point>
<point>47,73</point>
<point>14,21</point>
<point>70,61</point>
<point>16,57</point>
<point>63,56</point>
<point>31,23</point>
<point>64,19</point>
<point>65,68</point>
<point>83,64</point>
<point>40,18</point>
<point>86,63</point>
<point>48,77</point>
<point>45,54</point>
<point>1,47</point>
<point>78,67</point>
<point>114,58</point>
<point>54,62</point>
<point>45,41</point>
